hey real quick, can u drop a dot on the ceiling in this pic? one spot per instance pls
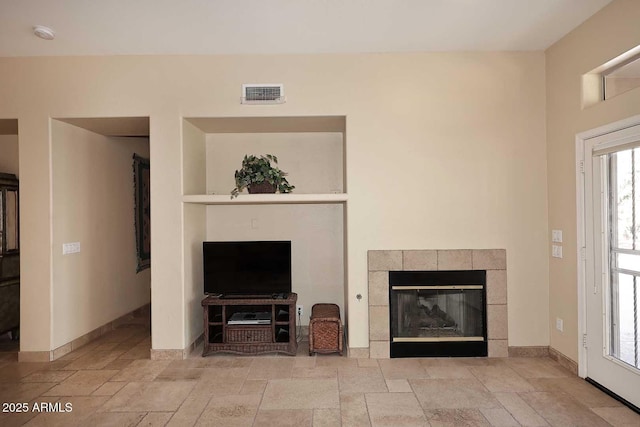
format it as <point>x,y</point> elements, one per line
<point>149,27</point>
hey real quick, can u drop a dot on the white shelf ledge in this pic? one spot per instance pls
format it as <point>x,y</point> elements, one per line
<point>261,199</point>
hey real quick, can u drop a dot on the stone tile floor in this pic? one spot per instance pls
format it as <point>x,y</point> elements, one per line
<point>112,382</point>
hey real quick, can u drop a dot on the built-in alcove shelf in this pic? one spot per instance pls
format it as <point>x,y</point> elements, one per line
<point>260,199</point>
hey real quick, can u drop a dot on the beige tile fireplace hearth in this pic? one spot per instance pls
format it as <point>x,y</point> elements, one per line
<point>494,261</point>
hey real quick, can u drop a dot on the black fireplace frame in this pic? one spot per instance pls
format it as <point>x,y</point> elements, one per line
<point>440,348</point>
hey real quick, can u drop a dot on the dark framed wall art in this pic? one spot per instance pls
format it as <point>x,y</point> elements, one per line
<point>141,184</point>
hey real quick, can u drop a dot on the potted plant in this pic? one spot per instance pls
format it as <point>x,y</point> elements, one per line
<point>259,176</point>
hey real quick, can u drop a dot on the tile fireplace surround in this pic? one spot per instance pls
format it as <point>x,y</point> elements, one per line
<point>494,261</point>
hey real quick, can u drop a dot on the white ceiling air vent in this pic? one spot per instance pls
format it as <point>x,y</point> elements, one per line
<point>263,94</point>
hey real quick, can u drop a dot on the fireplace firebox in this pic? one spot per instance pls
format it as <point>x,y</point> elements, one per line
<point>438,313</point>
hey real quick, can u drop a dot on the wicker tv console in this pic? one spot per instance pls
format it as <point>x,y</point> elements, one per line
<point>229,328</point>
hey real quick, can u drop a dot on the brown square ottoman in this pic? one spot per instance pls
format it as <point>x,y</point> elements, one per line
<point>325,329</point>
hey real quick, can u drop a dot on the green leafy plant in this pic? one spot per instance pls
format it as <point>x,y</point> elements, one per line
<point>259,171</point>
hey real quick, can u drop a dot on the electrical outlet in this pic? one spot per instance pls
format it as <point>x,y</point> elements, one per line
<point>556,251</point>
<point>299,309</point>
<point>70,248</point>
<point>559,324</point>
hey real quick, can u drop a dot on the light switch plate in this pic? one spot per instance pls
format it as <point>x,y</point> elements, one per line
<point>556,236</point>
<point>556,251</point>
<point>70,248</point>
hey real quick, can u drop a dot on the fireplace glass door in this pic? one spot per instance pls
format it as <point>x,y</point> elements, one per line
<point>437,313</point>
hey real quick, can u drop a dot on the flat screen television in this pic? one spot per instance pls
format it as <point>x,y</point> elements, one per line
<point>247,268</point>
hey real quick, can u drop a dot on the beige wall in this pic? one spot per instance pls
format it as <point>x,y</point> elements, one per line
<point>195,230</point>
<point>609,33</point>
<point>93,203</point>
<point>312,160</point>
<point>9,154</point>
<point>444,150</point>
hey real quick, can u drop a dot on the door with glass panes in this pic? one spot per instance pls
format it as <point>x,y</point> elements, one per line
<point>612,214</point>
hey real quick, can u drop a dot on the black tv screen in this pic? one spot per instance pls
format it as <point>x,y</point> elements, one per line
<point>247,268</point>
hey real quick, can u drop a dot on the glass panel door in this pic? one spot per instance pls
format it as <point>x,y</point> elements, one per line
<point>624,259</point>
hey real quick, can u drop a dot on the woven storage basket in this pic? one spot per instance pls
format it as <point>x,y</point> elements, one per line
<point>325,329</point>
<point>248,334</point>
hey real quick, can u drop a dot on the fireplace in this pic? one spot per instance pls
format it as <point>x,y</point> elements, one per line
<point>438,313</point>
<point>381,262</point>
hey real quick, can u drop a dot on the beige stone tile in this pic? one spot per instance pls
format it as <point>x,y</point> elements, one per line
<point>119,364</point>
<point>560,409</point>
<point>536,367</point>
<point>379,323</point>
<point>286,418</point>
<point>15,371</point>
<point>304,362</point>
<point>217,382</point>
<point>394,409</point>
<point>62,350</point>
<point>253,387</point>
<point>219,361</point>
<point>108,389</point>
<point>361,380</point>
<point>353,410</point>
<point>498,348</point>
<point>94,360</point>
<point>301,394</point>
<point>150,396</point>
<point>402,368</point>
<point>319,372</point>
<point>107,346</point>
<point>179,374</point>
<point>489,259</point>
<point>368,363</point>
<point>384,260</point>
<point>501,379</point>
<point>335,361</point>
<point>231,411</point>
<point>537,351</point>
<point>466,362</point>
<point>326,417</point>
<point>455,418</point>
<point>497,322</point>
<point>520,410</point>
<point>459,259</point>
<point>120,419</point>
<point>359,352</point>
<point>496,286</point>
<point>577,388</point>
<point>271,368</point>
<point>142,370</point>
<point>379,288</point>
<point>82,407</point>
<point>499,417</point>
<point>619,417</point>
<point>47,376</point>
<point>398,386</point>
<point>22,392</point>
<point>142,352</point>
<point>191,408</point>
<point>441,372</point>
<point>379,349</point>
<point>155,419</point>
<point>82,383</point>
<point>453,394</point>
<point>418,260</point>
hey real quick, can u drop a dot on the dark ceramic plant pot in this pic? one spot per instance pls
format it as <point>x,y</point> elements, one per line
<point>261,188</point>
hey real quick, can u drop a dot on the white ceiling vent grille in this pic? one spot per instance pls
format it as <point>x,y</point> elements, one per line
<point>263,94</point>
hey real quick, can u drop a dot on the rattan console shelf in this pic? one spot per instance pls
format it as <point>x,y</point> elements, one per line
<point>276,336</point>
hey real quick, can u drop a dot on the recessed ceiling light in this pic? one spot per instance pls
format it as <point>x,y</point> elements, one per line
<point>43,32</point>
